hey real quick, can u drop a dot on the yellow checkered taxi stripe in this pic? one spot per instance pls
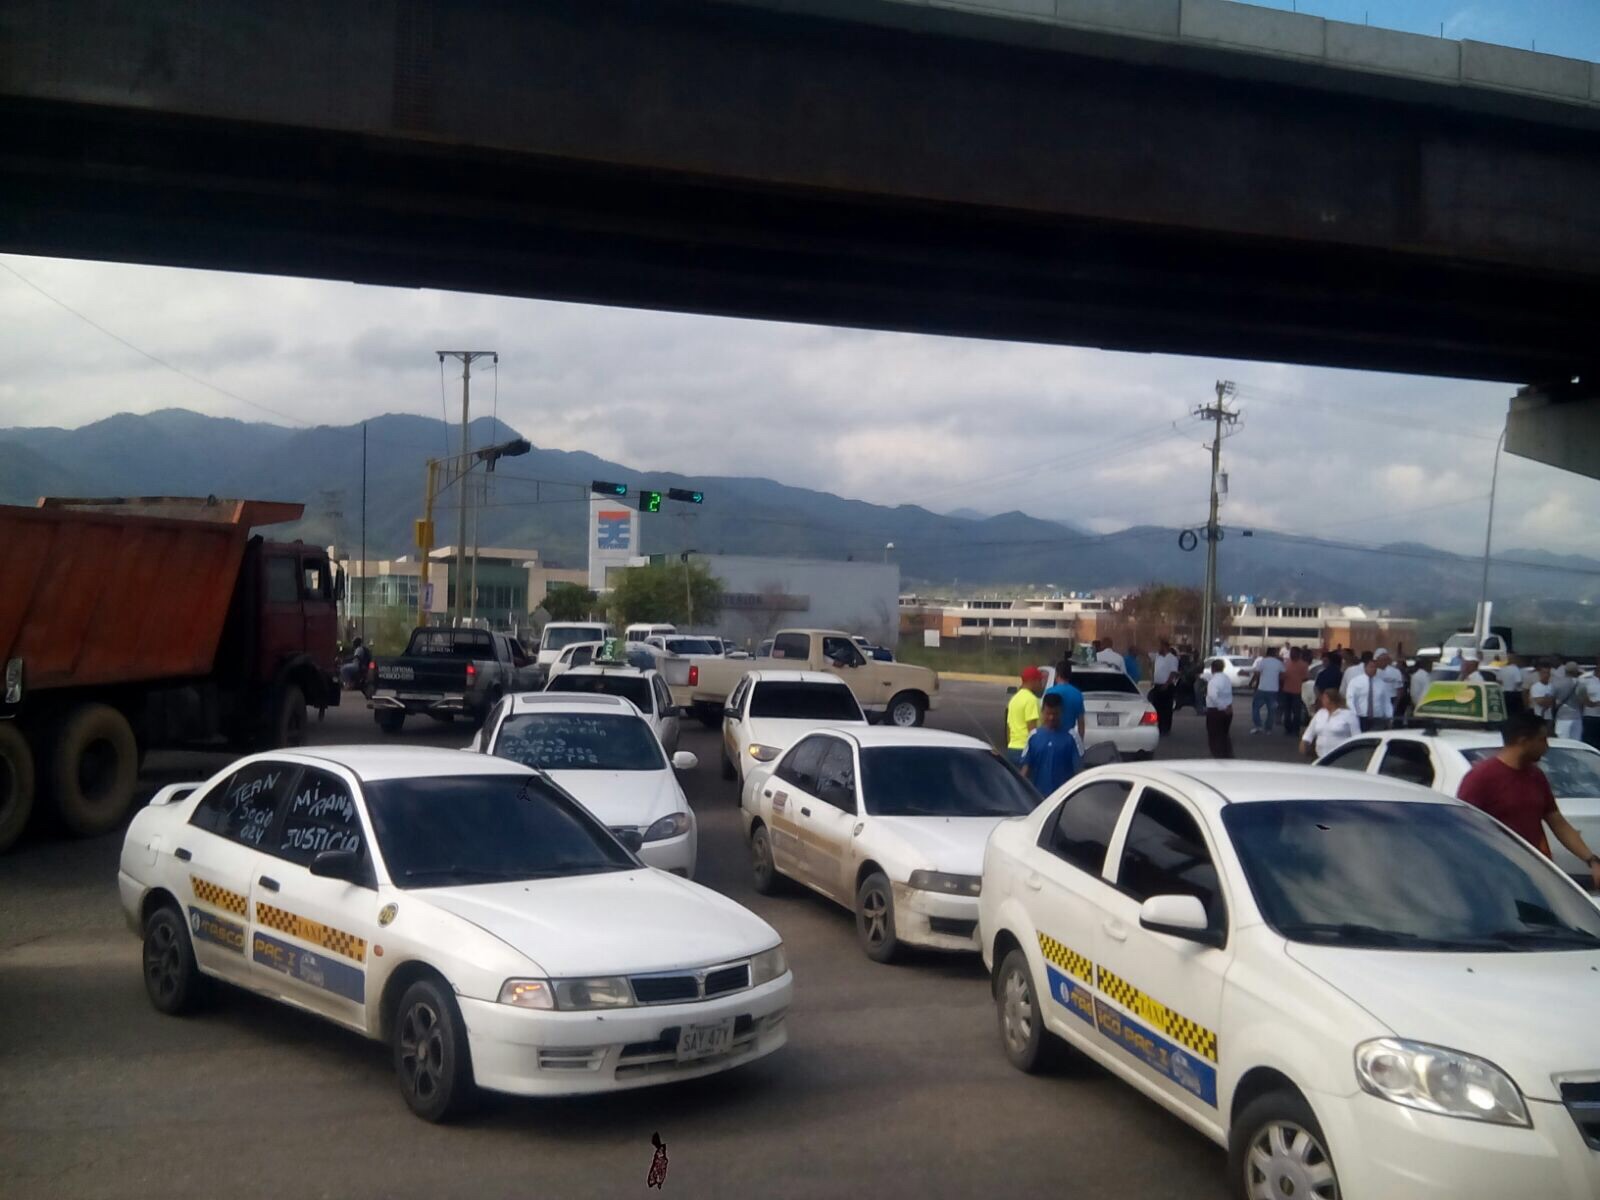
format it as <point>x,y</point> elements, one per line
<point>337,940</point>
<point>218,897</point>
<point>1175,1025</point>
<point>1065,958</point>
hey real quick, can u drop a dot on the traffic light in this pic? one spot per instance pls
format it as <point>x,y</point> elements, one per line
<point>650,502</point>
<point>601,488</point>
<point>686,495</point>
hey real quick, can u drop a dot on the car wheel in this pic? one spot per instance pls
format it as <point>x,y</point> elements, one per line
<point>905,711</point>
<point>728,772</point>
<point>763,871</point>
<point>389,719</point>
<point>1029,1046</point>
<point>431,1059</point>
<point>1277,1149</point>
<point>875,918</point>
<point>171,978</point>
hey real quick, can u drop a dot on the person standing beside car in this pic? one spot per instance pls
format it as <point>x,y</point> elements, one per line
<point>1268,672</point>
<point>1163,679</point>
<point>1290,703</point>
<point>1588,696</point>
<point>1542,696</point>
<point>1369,698</point>
<point>1051,756</point>
<point>1331,677</point>
<point>1219,711</point>
<point>1022,713</point>
<point>1333,725</point>
<point>1071,697</point>
<point>1511,681</point>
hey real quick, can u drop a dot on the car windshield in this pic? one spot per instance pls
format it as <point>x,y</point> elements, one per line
<point>558,638</point>
<point>682,645</point>
<point>941,781</point>
<point>445,831</point>
<point>1103,681</point>
<point>450,643</point>
<point>629,687</point>
<point>1404,876</point>
<point>1573,774</point>
<point>805,702</point>
<point>579,742</point>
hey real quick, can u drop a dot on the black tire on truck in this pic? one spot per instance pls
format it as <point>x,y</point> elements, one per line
<point>289,717</point>
<point>92,769</point>
<point>905,711</point>
<point>16,784</point>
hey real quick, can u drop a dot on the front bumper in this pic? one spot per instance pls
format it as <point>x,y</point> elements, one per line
<point>672,854</point>
<point>533,1053</point>
<point>1387,1150</point>
<point>936,920</point>
<point>453,704</point>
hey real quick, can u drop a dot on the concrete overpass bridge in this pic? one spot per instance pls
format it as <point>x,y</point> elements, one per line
<point>1188,176</point>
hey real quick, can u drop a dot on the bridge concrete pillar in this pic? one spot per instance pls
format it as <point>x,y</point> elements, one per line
<point>1558,424</point>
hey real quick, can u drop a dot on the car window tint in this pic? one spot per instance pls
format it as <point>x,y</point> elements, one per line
<point>663,698</point>
<point>792,645</point>
<point>321,815</point>
<point>1407,760</point>
<point>1165,855</point>
<point>282,586</point>
<point>1079,831</point>
<point>1091,682</point>
<point>1353,756</point>
<point>244,807</point>
<point>794,700</point>
<point>799,766</point>
<point>630,687</point>
<point>836,776</point>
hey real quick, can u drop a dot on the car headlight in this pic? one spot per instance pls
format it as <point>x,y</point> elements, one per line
<point>671,825</point>
<point>763,753</point>
<point>1437,1080</point>
<point>938,881</point>
<point>527,993</point>
<point>606,991</point>
<point>768,965</point>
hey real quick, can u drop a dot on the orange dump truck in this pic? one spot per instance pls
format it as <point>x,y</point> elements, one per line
<point>128,625</point>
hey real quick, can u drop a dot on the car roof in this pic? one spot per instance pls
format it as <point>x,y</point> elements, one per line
<point>573,701</point>
<point>1234,782</point>
<point>868,737</point>
<point>1468,739</point>
<point>370,763</point>
<point>609,669</point>
<point>821,677</point>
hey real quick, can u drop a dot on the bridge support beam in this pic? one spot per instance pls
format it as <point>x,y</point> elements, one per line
<point>1558,424</point>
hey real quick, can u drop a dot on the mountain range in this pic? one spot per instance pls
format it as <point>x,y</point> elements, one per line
<point>539,500</point>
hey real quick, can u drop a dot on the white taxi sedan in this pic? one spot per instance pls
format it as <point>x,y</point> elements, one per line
<point>1115,711</point>
<point>768,711</point>
<point>601,751</point>
<point>891,823</point>
<point>1359,989</point>
<point>461,908</point>
<point>1441,761</point>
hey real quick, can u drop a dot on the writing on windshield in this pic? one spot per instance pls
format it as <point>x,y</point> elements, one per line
<point>579,742</point>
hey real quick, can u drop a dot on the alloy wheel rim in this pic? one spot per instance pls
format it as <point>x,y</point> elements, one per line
<point>875,910</point>
<point>422,1051</point>
<point>162,963</point>
<point>763,856</point>
<point>1286,1162</point>
<point>1017,1011</point>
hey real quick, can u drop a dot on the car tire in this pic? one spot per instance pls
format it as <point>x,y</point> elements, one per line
<point>172,979</point>
<point>1028,1045</point>
<point>390,720</point>
<point>17,783</point>
<point>728,772</point>
<point>289,718</point>
<point>1269,1139</point>
<point>432,1062</point>
<point>905,711</point>
<point>875,918</point>
<point>763,870</point>
<point>93,768</point>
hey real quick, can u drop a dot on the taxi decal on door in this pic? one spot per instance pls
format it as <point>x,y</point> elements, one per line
<point>307,930</point>
<point>317,970</point>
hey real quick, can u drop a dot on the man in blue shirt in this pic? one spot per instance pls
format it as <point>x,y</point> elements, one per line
<point>1071,697</point>
<point>1052,754</point>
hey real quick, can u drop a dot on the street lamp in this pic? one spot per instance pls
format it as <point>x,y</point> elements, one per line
<point>888,546</point>
<point>442,472</point>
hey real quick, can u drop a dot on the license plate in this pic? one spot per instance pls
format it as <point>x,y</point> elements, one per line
<point>705,1041</point>
<point>1105,718</point>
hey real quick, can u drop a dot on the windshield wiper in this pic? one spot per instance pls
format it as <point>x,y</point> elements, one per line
<point>1562,935</point>
<point>1355,932</point>
<point>462,872</point>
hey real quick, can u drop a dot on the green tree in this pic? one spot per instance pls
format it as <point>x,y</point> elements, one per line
<point>662,591</point>
<point>568,602</point>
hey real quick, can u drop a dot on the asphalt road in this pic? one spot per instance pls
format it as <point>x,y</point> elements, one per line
<point>893,1082</point>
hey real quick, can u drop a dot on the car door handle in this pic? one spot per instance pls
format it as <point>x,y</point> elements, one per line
<point>1115,930</point>
<point>805,812</point>
<point>181,854</point>
<point>270,884</point>
<point>1034,881</point>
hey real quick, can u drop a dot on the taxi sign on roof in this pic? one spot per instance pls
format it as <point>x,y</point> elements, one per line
<point>612,652</point>
<point>1463,703</point>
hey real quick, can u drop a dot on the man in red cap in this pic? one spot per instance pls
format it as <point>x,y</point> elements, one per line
<point>1022,713</point>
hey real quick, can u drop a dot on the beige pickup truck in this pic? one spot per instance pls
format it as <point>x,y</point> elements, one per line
<point>897,693</point>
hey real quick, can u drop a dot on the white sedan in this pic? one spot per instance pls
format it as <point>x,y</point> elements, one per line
<point>891,823</point>
<point>601,751</point>
<point>1441,761</point>
<point>1358,988</point>
<point>644,688</point>
<point>767,711</point>
<point>1115,711</point>
<point>461,908</point>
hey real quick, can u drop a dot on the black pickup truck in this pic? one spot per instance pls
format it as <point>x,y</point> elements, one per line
<point>448,673</point>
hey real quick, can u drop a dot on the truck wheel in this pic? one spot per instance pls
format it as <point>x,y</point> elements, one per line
<point>905,711</point>
<point>16,784</point>
<point>389,719</point>
<point>94,765</point>
<point>289,720</point>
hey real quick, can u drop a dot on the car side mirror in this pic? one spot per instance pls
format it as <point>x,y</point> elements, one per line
<point>731,714</point>
<point>338,864</point>
<point>683,760</point>
<point>1180,917</point>
<point>632,839</point>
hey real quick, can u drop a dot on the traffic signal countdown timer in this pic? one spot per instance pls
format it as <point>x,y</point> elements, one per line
<point>650,502</point>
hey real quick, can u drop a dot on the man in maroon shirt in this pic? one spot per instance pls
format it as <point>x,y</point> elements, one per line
<point>1511,788</point>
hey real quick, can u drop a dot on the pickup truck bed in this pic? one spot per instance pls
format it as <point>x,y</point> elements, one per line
<point>446,673</point>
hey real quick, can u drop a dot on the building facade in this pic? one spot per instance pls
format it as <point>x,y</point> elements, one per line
<point>762,595</point>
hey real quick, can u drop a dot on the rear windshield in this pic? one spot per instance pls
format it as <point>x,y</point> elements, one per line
<point>1102,681</point>
<point>450,643</point>
<point>1573,774</point>
<point>629,687</point>
<point>682,645</point>
<point>805,702</point>
<point>579,742</point>
<point>559,638</point>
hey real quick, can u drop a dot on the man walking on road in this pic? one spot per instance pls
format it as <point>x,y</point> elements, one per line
<point>1542,696</point>
<point>1022,713</point>
<point>1290,703</point>
<point>1219,711</point>
<point>1268,670</point>
<point>1331,676</point>
<point>1070,696</point>
<point>1369,698</point>
<point>1511,788</point>
<point>1510,677</point>
<point>1051,757</point>
<point>1164,678</point>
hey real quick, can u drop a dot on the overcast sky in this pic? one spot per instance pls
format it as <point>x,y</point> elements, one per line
<point>1100,439</point>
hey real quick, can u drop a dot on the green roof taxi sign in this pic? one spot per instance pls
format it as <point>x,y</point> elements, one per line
<point>1463,703</point>
<point>612,652</point>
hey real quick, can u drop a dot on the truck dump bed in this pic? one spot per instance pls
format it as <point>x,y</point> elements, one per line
<point>96,592</point>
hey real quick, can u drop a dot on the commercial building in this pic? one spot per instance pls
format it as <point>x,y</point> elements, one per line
<point>511,583</point>
<point>762,595</point>
<point>1258,624</point>
<point>1066,617</point>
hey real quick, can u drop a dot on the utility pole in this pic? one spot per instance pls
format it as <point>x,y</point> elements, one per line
<point>1219,414</point>
<point>466,358</point>
<point>364,585</point>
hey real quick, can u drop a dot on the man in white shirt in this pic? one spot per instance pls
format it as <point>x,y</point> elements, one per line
<point>1569,700</point>
<point>1420,679</point>
<point>1106,656</point>
<point>1542,696</point>
<point>1511,684</point>
<point>1588,696</point>
<point>1269,680</point>
<point>1392,678</point>
<point>1354,669</point>
<point>1333,725</point>
<point>1163,677</point>
<point>1369,698</point>
<point>1219,711</point>
<point>1469,671</point>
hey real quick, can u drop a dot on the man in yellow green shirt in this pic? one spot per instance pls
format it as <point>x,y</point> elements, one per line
<point>1022,714</point>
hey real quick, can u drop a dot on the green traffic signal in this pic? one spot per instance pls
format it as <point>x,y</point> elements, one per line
<point>650,502</point>
<point>687,496</point>
<point>601,488</point>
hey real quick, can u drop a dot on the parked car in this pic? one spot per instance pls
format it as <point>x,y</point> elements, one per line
<point>890,823</point>
<point>644,688</point>
<point>462,908</point>
<point>578,654</point>
<point>1116,712</point>
<point>769,710</point>
<point>558,635</point>
<point>1357,987</point>
<point>447,673</point>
